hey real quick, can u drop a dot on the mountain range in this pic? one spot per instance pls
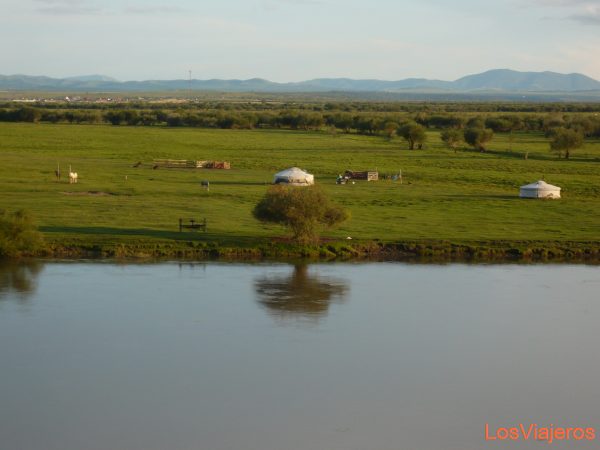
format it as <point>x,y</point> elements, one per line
<point>498,80</point>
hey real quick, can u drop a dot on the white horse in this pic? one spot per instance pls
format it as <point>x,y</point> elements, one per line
<point>72,176</point>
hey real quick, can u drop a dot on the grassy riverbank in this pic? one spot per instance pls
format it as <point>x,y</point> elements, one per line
<point>463,200</point>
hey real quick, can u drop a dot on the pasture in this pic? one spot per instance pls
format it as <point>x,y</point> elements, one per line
<point>460,197</point>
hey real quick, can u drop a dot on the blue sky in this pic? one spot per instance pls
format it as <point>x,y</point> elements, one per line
<point>293,40</point>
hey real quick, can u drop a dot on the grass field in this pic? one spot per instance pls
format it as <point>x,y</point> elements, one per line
<point>458,197</point>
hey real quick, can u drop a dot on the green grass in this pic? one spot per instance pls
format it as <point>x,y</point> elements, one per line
<point>458,197</point>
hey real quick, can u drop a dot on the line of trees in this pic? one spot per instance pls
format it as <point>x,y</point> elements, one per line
<point>566,132</point>
<point>277,104</point>
<point>369,123</point>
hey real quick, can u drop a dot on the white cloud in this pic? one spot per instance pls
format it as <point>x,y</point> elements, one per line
<point>89,7</point>
<point>567,3</point>
<point>273,5</point>
<point>586,12</point>
<point>590,15</point>
<point>67,7</point>
<point>154,9</point>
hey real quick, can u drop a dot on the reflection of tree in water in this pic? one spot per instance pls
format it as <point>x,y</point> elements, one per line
<point>19,277</point>
<point>299,294</point>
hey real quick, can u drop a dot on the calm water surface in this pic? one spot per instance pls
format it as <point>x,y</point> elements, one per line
<point>99,356</point>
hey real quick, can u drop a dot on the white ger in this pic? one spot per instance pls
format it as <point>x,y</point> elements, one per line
<point>539,189</point>
<point>294,177</point>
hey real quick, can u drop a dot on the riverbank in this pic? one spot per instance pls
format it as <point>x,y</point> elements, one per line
<point>492,251</point>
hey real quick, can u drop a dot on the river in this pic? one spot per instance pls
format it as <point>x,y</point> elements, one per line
<point>224,356</point>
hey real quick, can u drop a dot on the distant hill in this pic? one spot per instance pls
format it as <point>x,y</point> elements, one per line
<point>511,80</point>
<point>493,81</point>
<point>92,78</point>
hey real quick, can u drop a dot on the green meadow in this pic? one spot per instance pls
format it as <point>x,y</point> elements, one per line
<point>458,197</point>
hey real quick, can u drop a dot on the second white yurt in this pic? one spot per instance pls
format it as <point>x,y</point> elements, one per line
<point>539,189</point>
<point>294,176</point>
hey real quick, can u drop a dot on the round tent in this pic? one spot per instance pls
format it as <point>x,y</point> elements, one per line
<point>539,189</point>
<point>294,176</point>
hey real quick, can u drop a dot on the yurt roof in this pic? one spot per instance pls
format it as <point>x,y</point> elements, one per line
<point>540,185</point>
<point>292,172</point>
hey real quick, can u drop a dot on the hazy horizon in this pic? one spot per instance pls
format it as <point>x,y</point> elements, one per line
<point>108,76</point>
<point>296,40</point>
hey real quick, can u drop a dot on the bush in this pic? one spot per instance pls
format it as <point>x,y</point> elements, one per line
<point>304,210</point>
<point>452,137</point>
<point>478,137</point>
<point>18,234</point>
<point>413,133</point>
<point>565,140</point>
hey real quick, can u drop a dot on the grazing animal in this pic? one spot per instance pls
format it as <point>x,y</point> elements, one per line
<point>72,176</point>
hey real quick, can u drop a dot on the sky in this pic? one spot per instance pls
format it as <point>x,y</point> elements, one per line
<point>295,40</point>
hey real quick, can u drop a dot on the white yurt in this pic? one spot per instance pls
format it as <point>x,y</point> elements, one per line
<point>294,176</point>
<point>539,189</point>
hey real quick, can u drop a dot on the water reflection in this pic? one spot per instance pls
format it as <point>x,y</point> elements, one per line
<point>19,278</point>
<point>299,294</point>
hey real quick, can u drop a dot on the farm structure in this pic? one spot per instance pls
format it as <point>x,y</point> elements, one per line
<point>366,175</point>
<point>190,164</point>
<point>193,224</point>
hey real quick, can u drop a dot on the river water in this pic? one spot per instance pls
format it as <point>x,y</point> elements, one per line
<point>369,356</point>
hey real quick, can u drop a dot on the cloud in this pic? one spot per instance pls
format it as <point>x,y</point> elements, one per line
<point>154,9</point>
<point>87,7</point>
<point>297,2</point>
<point>590,18</point>
<point>302,2</point>
<point>61,2</point>
<point>586,12</point>
<point>67,7</point>
<point>276,4</point>
<point>567,3</point>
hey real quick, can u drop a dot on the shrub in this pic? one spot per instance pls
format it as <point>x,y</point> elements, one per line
<point>478,137</point>
<point>304,210</point>
<point>452,137</point>
<point>413,133</point>
<point>18,234</point>
<point>565,140</point>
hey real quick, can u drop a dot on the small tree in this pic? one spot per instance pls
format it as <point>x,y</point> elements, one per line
<point>565,140</point>
<point>413,133</point>
<point>478,137</point>
<point>18,234</point>
<point>452,138</point>
<point>390,129</point>
<point>476,122</point>
<point>304,210</point>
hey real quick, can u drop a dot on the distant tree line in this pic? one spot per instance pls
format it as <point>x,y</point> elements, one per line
<point>342,106</point>
<point>306,117</point>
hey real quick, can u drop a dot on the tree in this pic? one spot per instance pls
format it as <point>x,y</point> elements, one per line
<point>390,129</point>
<point>27,114</point>
<point>476,122</point>
<point>18,234</point>
<point>452,138</point>
<point>114,117</point>
<point>565,139</point>
<point>413,133</point>
<point>478,137</point>
<point>304,210</point>
<point>499,124</point>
